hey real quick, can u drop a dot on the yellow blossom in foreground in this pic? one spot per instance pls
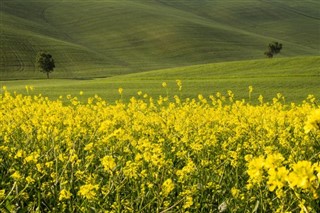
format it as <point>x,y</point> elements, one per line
<point>313,122</point>
<point>186,170</point>
<point>273,160</point>
<point>108,163</point>
<point>167,187</point>
<point>277,178</point>
<point>302,175</point>
<point>188,202</point>
<point>255,169</point>
<point>33,157</point>
<point>235,192</point>
<point>88,191</point>
<point>166,154</point>
<point>64,195</point>
<point>19,154</point>
<point>16,175</point>
<point>2,193</point>
<point>88,147</point>
<point>29,179</point>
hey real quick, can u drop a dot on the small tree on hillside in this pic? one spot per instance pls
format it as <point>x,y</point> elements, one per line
<point>273,48</point>
<point>45,62</point>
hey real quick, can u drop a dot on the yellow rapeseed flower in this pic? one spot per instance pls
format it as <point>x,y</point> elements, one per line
<point>130,170</point>
<point>88,147</point>
<point>235,192</point>
<point>108,163</point>
<point>186,170</point>
<point>19,154</point>
<point>313,122</point>
<point>164,84</point>
<point>273,160</point>
<point>120,90</point>
<point>255,169</point>
<point>179,84</point>
<point>188,202</point>
<point>16,175</point>
<point>2,193</point>
<point>277,178</point>
<point>33,157</point>
<point>167,187</point>
<point>302,175</point>
<point>29,179</point>
<point>250,89</point>
<point>64,194</point>
<point>88,191</point>
<point>144,149</point>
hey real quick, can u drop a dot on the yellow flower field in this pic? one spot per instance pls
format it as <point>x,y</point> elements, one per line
<point>212,154</point>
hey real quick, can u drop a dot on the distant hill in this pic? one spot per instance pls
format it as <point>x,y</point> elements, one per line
<point>112,37</point>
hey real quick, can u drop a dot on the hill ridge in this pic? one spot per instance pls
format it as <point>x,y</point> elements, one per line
<point>108,38</point>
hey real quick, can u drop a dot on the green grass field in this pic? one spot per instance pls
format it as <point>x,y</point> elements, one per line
<point>212,46</point>
<point>295,78</point>
<point>108,38</point>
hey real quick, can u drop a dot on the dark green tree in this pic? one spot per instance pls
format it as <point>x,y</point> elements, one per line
<point>45,62</point>
<point>273,48</point>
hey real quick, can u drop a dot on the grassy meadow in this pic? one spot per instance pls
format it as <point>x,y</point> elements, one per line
<point>295,78</point>
<point>108,38</point>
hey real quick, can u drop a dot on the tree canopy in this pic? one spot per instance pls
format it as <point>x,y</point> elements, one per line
<point>45,62</point>
<point>273,48</point>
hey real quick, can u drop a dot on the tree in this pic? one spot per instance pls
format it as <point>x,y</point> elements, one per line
<point>45,62</point>
<point>273,48</point>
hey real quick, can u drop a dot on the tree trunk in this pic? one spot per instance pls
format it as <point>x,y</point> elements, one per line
<point>47,75</point>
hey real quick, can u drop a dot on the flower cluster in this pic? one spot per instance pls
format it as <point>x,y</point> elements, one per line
<point>210,154</point>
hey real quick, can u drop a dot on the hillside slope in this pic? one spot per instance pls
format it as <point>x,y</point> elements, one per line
<point>106,38</point>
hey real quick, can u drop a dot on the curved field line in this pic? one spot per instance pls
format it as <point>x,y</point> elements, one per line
<point>20,63</point>
<point>292,10</point>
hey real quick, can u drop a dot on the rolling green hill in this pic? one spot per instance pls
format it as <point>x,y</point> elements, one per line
<point>105,38</point>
